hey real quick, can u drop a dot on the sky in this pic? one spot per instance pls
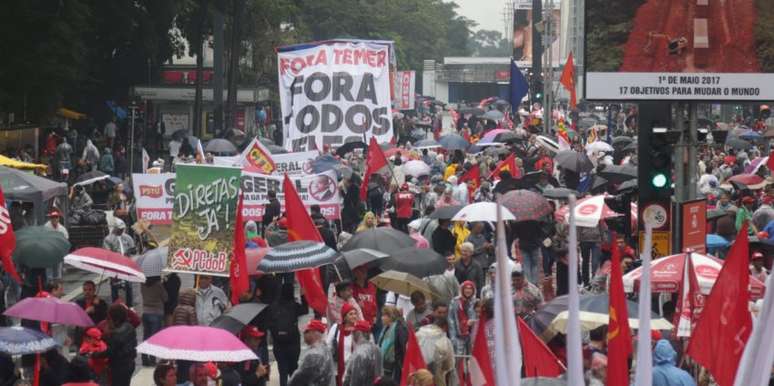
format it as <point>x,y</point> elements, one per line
<point>486,13</point>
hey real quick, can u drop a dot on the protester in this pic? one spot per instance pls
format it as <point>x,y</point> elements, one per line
<point>121,340</point>
<point>211,301</point>
<point>95,307</point>
<point>153,297</point>
<point>665,373</point>
<point>343,296</point>
<point>392,342</point>
<point>315,367</point>
<point>340,339</point>
<point>254,372</point>
<point>284,313</point>
<point>364,365</point>
<point>468,269</point>
<point>165,375</point>
<point>420,314</point>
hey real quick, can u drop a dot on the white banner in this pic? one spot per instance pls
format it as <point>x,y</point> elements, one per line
<point>291,163</point>
<point>403,90</point>
<point>678,86</point>
<point>154,195</point>
<point>335,93</point>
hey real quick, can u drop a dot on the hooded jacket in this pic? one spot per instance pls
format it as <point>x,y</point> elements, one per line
<point>665,373</point>
<point>460,334</point>
<point>185,312</point>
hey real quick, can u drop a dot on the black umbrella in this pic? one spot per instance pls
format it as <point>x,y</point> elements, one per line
<point>350,146</point>
<point>616,174</point>
<point>180,135</point>
<point>91,177</point>
<point>387,240</point>
<point>237,317</point>
<point>361,256</point>
<point>453,142</point>
<point>274,149</point>
<point>426,144</point>
<point>574,161</point>
<point>418,262</point>
<point>559,193</point>
<point>446,212</point>
<point>508,137</point>
<point>630,147</point>
<point>220,145</point>
<point>471,110</point>
<point>622,141</point>
<point>494,115</point>
<point>738,144</point>
<point>296,255</point>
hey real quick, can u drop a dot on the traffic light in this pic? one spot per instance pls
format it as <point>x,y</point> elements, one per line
<point>622,204</point>
<point>660,176</point>
<point>537,90</point>
<point>654,153</point>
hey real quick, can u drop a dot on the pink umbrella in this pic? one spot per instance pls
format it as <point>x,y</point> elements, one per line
<point>666,274</point>
<point>106,263</point>
<point>746,179</point>
<point>756,164</point>
<point>491,134</point>
<point>50,310</point>
<point>196,343</point>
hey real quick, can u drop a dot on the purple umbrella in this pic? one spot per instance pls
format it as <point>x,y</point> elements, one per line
<point>755,164</point>
<point>50,310</point>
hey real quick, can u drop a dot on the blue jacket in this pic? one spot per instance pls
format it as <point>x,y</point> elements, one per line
<point>665,373</point>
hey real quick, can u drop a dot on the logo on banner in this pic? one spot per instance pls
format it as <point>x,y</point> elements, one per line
<point>322,188</point>
<point>257,158</point>
<point>152,191</point>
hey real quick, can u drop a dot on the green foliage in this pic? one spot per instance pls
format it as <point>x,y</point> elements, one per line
<point>764,35</point>
<point>490,43</point>
<point>607,30</point>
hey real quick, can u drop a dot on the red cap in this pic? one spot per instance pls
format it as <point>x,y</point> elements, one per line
<point>54,213</point>
<point>283,223</point>
<point>757,255</point>
<point>94,333</point>
<point>252,332</point>
<point>345,309</point>
<point>655,335</point>
<point>362,325</point>
<point>748,200</point>
<point>315,325</point>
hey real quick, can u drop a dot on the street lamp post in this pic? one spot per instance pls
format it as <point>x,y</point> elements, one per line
<point>133,108</point>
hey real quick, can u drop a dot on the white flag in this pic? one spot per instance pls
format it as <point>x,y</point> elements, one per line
<point>574,354</point>
<point>644,371</point>
<point>758,356</point>
<point>507,346</point>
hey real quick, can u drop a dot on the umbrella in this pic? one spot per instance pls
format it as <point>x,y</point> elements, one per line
<point>616,174</point>
<point>196,343</point>
<point>526,205</point>
<point>590,211</point>
<point>453,142</point>
<point>237,317</point>
<point>715,214</point>
<point>296,255</point>
<point>361,256</point>
<point>716,241</point>
<point>598,146</point>
<point>508,137</point>
<point>482,211</point>
<point>274,149</point>
<point>494,115</point>
<point>254,257</point>
<point>40,247</point>
<point>746,179</point>
<point>350,146</point>
<point>756,164</point>
<point>586,122</point>
<point>737,143</point>
<point>426,144</point>
<point>491,134</point>
<point>106,263</point>
<point>237,136</point>
<point>21,340</point>
<point>220,145</point>
<point>402,283</point>
<point>548,144</point>
<point>622,141</point>
<point>574,161</point>
<point>666,274</point>
<point>387,240</point>
<point>420,262</point>
<point>446,212</point>
<point>593,313</point>
<point>558,193</point>
<point>325,162</point>
<point>495,151</point>
<point>50,310</point>
<point>471,110</point>
<point>91,177</point>
<point>152,263</point>
<point>266,141</point>
<point>180,135</point>
<point>750,135</point>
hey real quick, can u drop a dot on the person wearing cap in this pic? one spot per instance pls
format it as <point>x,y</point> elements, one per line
<point>277,232</point>
<point>745,213</point>
<point>757,270</point>
<point>315,368</point>
<point>404,207</point>
<point>120,242</point>
<point>365,363</point>
<point>54,222</point>
<point>254,372</point>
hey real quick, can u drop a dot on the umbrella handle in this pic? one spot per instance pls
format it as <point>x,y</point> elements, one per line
<point>337,271</point>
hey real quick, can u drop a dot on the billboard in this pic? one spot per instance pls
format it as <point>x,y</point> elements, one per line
<point>335,92</point>
<point>403,90</point>
<point>678,50</point>
<point>522,34</point>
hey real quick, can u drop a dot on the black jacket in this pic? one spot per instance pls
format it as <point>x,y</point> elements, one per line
<point>121,343</point>
<point>443,241</point>
<point>273,210</point>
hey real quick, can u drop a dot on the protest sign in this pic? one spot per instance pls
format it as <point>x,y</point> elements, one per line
<point>334,93</point>
<point>154,196</point>
<point>291,163</point>
<point>405,82</point>
<point>314,189</point>
<point>203,215</point>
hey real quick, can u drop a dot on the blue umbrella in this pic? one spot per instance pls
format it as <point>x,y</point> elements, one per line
<point>453,142</point>
<point>716,241</point>
<point>22,340</point>
<point>750,135</point>
<point>426,144</point>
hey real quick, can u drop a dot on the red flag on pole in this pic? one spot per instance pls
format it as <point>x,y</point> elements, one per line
<point>539,360</point>
<point>7,240</point>
<point>481,373</point>
<point>238,274</point>
<point>301,227</point>
<point>619,338</point>
<point>725,324</point>
<point>472,177</point>
<point>413,360</point>
<point>568,80</point>
<point>506,165</point>
<point>375,160</point>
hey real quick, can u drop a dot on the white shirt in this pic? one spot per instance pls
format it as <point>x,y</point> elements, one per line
<point>59,228</point>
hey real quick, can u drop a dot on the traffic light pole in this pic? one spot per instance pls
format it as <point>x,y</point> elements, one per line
<point>679,155</point>
<point>693,144</point>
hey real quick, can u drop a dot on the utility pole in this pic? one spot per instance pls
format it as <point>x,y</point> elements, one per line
<point>217,64</point>
<point>133,108</point>
<point>548,68</point>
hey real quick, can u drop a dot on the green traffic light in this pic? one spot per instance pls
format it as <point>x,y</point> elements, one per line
<point>659,180</point>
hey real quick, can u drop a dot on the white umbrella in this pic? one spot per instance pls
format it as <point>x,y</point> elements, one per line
<point>548,144</point>
<point>598,146</point>
<point>416,168</point>
<point>482,211</point>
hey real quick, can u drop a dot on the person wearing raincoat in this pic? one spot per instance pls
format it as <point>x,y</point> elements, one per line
<point>365,362</point>
<point>665,373</point>
<point>90,155</point>
<point>315,368</point>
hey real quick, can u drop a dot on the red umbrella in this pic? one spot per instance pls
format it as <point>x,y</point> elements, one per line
<point>106,263</point>
<point>746,179</point>
<point>52,310</point>
<point>526,205</point>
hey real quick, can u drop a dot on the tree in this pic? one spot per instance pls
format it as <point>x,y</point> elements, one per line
<point>490,43</point>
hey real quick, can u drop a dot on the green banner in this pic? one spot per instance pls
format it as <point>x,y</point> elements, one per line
<point>203,219</point>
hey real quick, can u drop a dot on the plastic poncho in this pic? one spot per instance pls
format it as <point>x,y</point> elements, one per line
<point>364,365</point>
<point>315,367</point>
<point>665,373</point>
<point>437,351</point>
<point>90,153</point>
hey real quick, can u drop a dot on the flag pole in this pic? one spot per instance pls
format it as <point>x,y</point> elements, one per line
<point>574,356</point>
<point>644,372</point>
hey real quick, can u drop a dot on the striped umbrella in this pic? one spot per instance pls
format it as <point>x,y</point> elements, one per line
<point>297,255</point>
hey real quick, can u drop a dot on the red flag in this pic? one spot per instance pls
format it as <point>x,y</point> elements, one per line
<point>509,165</point>
<point>472,177</point>
<point>481,372</point>
<point>539,360</point>
<point>375,160</point>
<point>238,275</point>
<point>718,341</point>
<point>619,338</point>
<point>7,240</point>
<point>770,162</point>
<point>568,80</point>
<point>413,360</point>
<point>301,227</point>
<point>689,302</point>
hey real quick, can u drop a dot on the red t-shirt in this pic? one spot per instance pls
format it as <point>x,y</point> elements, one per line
<point>366,299</point>
<point>404,202</point>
